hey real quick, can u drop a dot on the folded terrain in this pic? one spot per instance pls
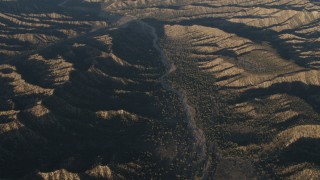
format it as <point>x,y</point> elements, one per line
<point>177,89</point>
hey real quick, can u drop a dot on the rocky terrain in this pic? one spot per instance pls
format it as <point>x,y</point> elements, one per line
<point>148,89</point>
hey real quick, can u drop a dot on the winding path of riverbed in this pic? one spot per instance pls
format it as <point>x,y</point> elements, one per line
<point>199,144</point>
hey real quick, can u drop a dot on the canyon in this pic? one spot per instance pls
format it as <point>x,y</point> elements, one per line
<point>148,89</point>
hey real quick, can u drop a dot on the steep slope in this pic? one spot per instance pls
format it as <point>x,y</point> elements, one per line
<point>81,104</point>
<point>250,70</point>
<point>147,89</point>
<point>29,24</point>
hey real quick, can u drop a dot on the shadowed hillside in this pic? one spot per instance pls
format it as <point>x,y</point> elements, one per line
<point>146,89</point>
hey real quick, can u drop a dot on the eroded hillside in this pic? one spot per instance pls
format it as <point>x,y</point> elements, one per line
<point>177,89</point>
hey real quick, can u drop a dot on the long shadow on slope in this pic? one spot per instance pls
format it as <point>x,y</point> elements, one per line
<point>315,1</point>
<point>255,34</point>
<point>312,34</point>
<point>42,6</point>
<point>6,95</point>
<point>303,150</point>
<point>17,152</point>
<point>309,93</point>
<point>69,143</point>
<point>266,5</point>
<point>41,11</point>
<point>71,135</point>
